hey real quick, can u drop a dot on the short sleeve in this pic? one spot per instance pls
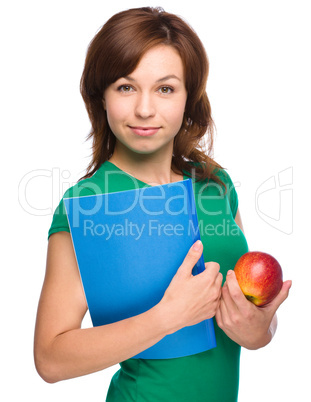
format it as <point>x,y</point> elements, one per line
<point>59,221</point>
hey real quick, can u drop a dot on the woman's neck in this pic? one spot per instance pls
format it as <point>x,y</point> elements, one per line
<point>150,170</point>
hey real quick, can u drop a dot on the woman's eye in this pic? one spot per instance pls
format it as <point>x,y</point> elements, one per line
<point>166,90</point>
<point>125,88</point>
<point>128,88</point>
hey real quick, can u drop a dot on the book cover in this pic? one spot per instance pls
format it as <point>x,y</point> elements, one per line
<point>129,245</point>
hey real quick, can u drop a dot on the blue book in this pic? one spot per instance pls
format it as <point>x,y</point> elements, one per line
<point>128,246</point>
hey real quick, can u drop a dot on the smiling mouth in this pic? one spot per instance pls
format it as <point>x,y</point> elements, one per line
<point>145,131</point>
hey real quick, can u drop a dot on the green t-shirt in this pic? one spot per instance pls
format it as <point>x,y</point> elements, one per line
<point>211,376</point>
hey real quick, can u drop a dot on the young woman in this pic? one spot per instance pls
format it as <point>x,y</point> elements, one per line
<point>144,89</point>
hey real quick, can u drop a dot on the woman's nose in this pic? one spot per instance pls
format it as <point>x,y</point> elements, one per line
<point>144,107</point>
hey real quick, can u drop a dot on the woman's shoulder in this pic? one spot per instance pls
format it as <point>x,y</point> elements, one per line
<point>81,188</point>
<point>85,187</point>
<point>216,171</point>
<point>223,175</point>
<point>89,186</point>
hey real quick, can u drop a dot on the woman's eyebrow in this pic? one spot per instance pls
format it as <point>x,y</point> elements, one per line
<point>167,77</point>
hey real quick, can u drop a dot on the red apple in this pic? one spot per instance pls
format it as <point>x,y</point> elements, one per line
<point>260,277</point>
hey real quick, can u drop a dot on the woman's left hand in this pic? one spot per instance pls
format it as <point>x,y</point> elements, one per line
<point>246,324</point>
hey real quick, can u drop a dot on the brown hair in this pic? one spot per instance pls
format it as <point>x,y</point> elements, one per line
<point>115,52</point>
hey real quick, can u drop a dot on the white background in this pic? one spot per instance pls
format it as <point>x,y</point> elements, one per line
<point>259,88</point>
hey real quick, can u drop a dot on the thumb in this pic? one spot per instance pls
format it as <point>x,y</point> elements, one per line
<point>191,259</point>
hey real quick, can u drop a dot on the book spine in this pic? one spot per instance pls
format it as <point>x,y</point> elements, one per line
<point>199,267</point>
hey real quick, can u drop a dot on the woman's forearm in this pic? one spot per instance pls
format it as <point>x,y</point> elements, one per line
<point>83,351</point>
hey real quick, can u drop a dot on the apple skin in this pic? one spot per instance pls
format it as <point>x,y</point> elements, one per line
<point>260,277</point>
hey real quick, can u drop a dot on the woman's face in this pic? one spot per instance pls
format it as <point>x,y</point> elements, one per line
<point>145,109</point>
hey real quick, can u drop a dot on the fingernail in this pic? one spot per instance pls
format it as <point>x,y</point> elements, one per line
<point>197,245</point>
<point>229,272</point>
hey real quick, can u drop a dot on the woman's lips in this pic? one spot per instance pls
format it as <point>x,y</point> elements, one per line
<point>145,131</point>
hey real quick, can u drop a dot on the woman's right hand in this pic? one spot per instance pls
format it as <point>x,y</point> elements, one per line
<point>191,299</point>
